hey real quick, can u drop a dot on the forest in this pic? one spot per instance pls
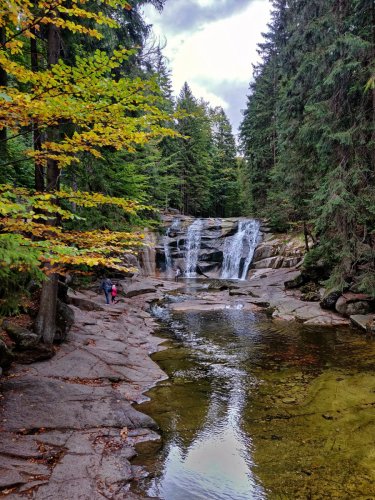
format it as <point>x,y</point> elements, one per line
<point>93,142</point>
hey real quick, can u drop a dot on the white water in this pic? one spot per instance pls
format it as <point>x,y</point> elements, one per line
<point>242,243</point>
<point>167,249</point>
<point>193,243</point>
<point>168,258</point>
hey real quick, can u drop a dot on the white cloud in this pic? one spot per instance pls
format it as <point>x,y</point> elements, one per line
<point>217,51</point>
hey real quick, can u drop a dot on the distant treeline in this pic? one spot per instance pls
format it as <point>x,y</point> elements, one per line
<point>308,131</point>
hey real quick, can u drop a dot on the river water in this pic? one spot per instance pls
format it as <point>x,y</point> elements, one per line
<point>258,409</point>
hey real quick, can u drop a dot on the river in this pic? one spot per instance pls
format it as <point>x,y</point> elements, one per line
<point>259,409</point>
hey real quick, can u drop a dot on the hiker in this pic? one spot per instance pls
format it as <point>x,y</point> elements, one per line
<point>177,274</point>
<point>114,293</point>
<point>107,287</point>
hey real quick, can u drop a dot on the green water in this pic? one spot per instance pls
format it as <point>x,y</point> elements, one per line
<point>255,409</point>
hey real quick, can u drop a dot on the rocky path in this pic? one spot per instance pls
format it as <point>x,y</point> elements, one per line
<point>68,428</point>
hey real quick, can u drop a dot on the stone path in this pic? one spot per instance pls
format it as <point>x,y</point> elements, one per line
<point>68,428</point>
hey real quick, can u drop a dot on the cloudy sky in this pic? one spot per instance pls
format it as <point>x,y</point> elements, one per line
<point>212,44</point>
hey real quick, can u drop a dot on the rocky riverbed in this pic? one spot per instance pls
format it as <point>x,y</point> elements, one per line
<point>68,426</point>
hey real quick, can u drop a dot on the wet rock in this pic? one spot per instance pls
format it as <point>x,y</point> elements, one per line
<point>329,301</point>
<point>23,338</point>
<point>212,256</point>
<point>221,285</point>
<point>6,356</point>
<point>350,304</point>
<point>64,321</point>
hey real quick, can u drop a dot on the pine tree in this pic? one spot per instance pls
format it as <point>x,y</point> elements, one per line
<point>193,156</point>
<point>224,177</point>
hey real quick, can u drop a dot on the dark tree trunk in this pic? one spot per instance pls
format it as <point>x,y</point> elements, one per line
<point>37,138</point>
<point>306,235</point>
<point>45,324</point>
<point>3,83</point>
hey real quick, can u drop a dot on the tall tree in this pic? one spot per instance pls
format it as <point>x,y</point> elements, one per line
<point>101,108</point>
<point>224,173</point>
<point>317,68</point>
<point>194,154</point>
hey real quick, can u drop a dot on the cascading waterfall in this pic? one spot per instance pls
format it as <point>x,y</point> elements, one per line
<point>193,243</point>
<point>168,258</point>
<point>167,249</point>
<point>243,242</point>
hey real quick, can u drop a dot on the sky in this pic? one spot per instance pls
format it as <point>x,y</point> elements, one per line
<point>212,44</point>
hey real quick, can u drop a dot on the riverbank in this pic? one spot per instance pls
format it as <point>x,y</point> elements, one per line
<point>263,291</point>
<point>68,428</point>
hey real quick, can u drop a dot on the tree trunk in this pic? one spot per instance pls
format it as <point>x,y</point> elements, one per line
<point>3,83</point>
<point>306,235</point>
<point>37,137</point>
<point>45,324</point>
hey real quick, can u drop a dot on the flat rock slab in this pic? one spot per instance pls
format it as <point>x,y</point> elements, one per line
<point>362,320</point>
<point>68,427</point>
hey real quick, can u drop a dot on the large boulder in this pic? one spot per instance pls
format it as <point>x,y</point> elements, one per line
<point>23,338</point>
<point>350,304</point>
<point>329,300</point>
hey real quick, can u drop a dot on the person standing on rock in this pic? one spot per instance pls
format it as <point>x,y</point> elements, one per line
<point>114,293</point>
<point>107,287</point>
<point>177,274</point>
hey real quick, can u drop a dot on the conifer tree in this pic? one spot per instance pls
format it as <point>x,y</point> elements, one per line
<point>224,177</point>
<point>193,154</point>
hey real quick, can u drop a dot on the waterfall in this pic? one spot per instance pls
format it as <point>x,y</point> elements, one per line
<point>193,243</point>
<point>168,258</point>
<point>175,226</point>
<point>242,243</point>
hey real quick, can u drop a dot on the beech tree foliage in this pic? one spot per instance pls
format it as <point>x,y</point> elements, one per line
<point>72,110</point>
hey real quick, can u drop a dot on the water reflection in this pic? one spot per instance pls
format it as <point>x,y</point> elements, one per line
<point>217,463</point>
<point>236,381</point>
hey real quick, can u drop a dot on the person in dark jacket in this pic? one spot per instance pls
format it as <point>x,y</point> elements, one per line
<point>106,286</point>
